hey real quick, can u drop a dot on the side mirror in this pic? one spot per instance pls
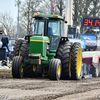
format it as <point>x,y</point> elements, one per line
<point>66,22</point>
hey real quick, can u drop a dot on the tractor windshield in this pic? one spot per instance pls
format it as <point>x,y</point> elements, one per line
<point>38,28</point>
<point>49,27</point>
<point>54,27</point>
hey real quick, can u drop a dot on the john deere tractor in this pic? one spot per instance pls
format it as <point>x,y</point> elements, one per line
<point>47,52</point>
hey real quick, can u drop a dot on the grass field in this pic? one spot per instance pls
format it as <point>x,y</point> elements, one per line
<point>5,69</point>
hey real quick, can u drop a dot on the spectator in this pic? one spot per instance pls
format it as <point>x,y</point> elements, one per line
<point>50,31</point>
<point>5,41</point>
<point>90,31</point>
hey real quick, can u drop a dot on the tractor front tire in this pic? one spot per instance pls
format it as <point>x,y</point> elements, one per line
<point>76,61</point>
<point>17,67</point>
<point>63,53</point>
<point>55,69</point>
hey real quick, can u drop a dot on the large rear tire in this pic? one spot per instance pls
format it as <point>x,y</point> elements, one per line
<point>17,67</point>
<point>63,53</point>
<point>25,49</point>
<point>55,69</point>
<point>29,70</point>
<point>17,48</point>
<point>76,61</point>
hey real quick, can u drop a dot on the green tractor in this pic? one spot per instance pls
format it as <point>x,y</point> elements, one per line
<point>47,52</point>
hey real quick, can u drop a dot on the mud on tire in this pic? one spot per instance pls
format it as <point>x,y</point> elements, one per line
<point>63,53</point>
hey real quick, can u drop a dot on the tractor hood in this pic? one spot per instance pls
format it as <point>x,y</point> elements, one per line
<point>38,45</point>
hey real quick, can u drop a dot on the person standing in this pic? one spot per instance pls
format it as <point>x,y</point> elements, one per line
<point>5,41</point>
<point>90,31</point>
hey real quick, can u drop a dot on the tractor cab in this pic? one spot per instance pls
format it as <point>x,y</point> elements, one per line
<point>51,26</point>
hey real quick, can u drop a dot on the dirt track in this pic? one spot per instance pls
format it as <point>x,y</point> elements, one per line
<point>44,89</point>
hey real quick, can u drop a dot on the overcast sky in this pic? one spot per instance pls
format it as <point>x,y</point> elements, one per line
<point>9,6</point>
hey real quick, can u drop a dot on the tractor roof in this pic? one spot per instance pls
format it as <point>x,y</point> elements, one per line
<point>48,16</point>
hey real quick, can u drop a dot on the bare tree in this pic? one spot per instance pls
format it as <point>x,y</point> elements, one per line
<point>28,9</point>
<point>60,6</point>
<point>22,32</point>
<point>7,23</point>
<point>86,8</point>
<point>47,7</point>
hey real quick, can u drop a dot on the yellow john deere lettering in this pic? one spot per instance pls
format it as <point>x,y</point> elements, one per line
<point>39,40</point>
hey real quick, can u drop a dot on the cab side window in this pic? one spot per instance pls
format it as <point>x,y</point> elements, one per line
<point>62,28</point>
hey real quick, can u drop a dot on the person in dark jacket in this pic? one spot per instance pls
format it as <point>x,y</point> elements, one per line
<point>50,31</point>
<point>5,41</point>
<point>90,31</point>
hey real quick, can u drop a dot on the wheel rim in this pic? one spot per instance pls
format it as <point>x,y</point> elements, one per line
<point>79,62</point>
<point>21,74</point>
<point>59,70</point>
<point>34,68</point>
<point>19,51</point>
<point>22,68</point>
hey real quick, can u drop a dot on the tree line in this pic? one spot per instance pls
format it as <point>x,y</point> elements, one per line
<point>28,8</point>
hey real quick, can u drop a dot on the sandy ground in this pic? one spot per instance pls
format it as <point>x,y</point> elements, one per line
<point>45,89</point>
